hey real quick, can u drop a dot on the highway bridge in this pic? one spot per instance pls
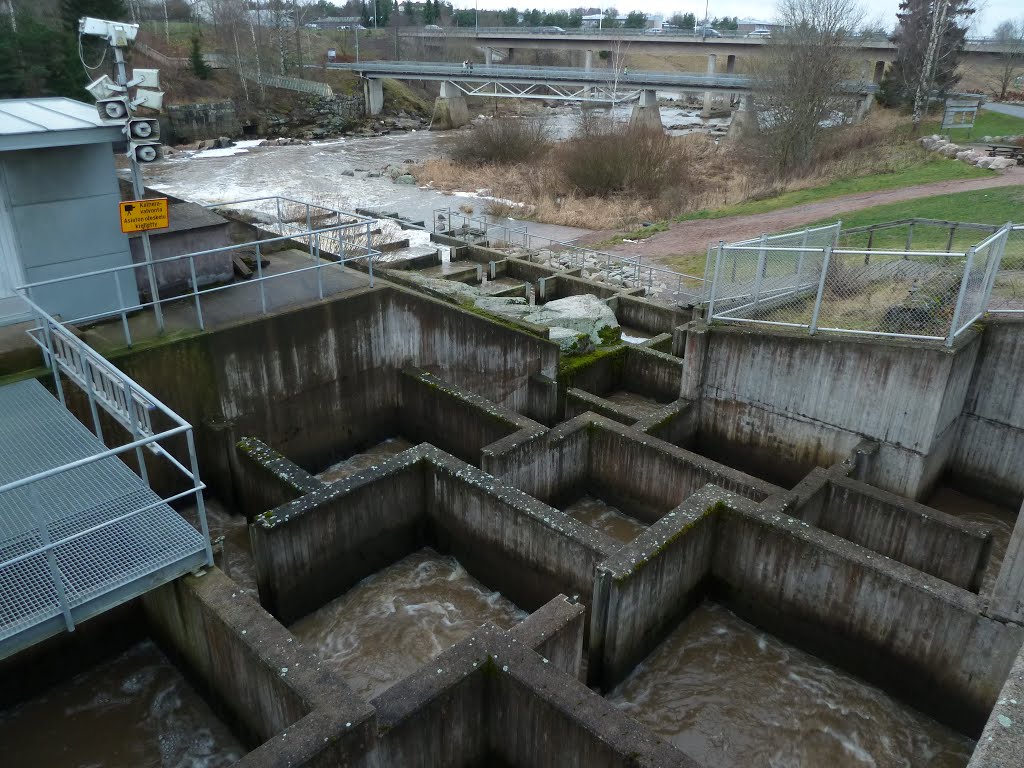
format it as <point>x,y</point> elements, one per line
<point>677,41</point>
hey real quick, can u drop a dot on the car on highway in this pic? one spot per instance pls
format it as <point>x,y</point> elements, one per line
<point>706,32</point>
<point>763,33</point>
<point>433,28</point>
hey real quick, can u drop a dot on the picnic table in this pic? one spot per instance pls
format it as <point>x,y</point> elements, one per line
<point>1012,151</point>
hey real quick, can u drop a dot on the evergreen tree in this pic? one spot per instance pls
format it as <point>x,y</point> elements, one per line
<point>196,61</point>
<point>929,37</point>
<point>410,10</point>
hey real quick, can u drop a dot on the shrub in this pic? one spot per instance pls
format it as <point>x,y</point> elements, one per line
<point>502,140</point>
<point>643,162</point>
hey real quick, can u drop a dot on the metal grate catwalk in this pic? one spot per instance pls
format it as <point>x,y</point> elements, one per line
<point>109,560</point>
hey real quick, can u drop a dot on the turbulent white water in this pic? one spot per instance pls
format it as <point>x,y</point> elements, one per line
<point>393,622</point>
<point>730,695</point>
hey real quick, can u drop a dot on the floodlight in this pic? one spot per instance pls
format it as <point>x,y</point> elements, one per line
<point>103,88</point>
<point>151,99</point>
<point>145,78</point>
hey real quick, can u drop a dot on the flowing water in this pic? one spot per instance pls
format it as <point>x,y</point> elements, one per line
<point>391,623</point>
<point>999,519</point>
<point>732,696</point>
<point>368,458</point>
<point>605,518</point>
<point>639,405</point>
<point>133,711</point>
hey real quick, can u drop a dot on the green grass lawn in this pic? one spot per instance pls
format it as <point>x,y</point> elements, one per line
<point>932,169</point>
<point>988,124</point>
<point>984,206</point>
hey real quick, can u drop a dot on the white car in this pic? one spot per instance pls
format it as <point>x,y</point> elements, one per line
<point>764,33</point>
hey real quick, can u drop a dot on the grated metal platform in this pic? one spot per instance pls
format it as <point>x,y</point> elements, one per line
<point>100,568</point>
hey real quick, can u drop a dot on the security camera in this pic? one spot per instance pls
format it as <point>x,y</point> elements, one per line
<point>117,33</point>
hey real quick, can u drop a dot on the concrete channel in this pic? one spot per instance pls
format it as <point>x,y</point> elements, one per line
<point>470,549</point>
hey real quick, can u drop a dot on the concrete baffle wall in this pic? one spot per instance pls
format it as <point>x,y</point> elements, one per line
<point>643,476</point>
<point>309,551</point>
<point>490,699</point>
<point>931,541</point>
<point>989,452</point>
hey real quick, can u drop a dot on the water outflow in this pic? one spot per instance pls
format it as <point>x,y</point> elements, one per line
<point>604,517</point>
<point>133,711</point>
<point>390,624</point>
<point>732,696</point>
<point>368,458</point>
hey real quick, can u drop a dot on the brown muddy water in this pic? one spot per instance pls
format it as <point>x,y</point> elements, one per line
<point>731,696</point>
<point>133,711</point>
<point>368,458</point>
<point>1000,519</point>
<point>605,518</point>
<point>390,624</point>
<point>639,405</point>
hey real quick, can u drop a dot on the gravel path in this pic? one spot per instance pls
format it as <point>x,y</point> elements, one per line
<point>689,237</point>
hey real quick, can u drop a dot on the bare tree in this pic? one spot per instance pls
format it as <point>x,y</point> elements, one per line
<point>799,81</point>
<point>1009,36</point>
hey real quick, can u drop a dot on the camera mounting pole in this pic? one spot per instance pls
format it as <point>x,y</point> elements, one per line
<point>118,35</point>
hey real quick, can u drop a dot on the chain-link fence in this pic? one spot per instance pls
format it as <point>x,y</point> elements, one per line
<point>1007,297</point>
<point>802,280</point>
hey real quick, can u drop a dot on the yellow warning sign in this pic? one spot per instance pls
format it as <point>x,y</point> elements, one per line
<point>140,215</point>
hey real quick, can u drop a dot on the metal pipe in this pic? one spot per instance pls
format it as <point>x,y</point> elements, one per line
<point>960,298</point>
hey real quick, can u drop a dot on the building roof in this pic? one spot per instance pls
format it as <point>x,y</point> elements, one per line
<point>55,122</point>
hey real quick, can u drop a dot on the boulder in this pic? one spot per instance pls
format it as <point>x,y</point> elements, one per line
<point>950,150</point>
<point>964,155</point>
<point>583,314</point>
<point>1001,163</point>
<point>571,342</point>
<point>985,162</point>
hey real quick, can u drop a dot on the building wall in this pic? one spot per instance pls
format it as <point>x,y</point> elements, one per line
<point>77,187</point>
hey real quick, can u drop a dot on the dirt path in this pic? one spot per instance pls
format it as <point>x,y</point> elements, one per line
<point>689,237</point>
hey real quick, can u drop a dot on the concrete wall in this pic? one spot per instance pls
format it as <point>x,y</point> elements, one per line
<point>643,476</point>
<point>944,546</point>
<point>643,591</point>
<point>1002,741</point>
<point>452,419</point>
<point>209,120</point>
<point>76,186</point>
<point>793,402</point>
<point>264,479</point>
<point>175,276</point>
<point>490,701</point>
<point>555,631</point>
<point>309,551</point>
<point>647,315</point>
<point>989,450</point>
<point>321,381</point>
<point>235,653</point>
<point>905,631</point>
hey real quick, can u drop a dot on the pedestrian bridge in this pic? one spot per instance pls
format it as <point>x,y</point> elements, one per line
<point>604,86</point>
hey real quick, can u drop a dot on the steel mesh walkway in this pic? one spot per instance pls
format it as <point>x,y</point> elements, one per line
<point>108,560</point>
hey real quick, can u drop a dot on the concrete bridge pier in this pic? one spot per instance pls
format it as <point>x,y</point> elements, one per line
<point>863,106</point>
<point>706,111</point>
<point>373,95</point>
<point>588,60</point>
<point>450,110</point>
<point>743,115</point>
<point>646,113</point>
<point>488,56</point>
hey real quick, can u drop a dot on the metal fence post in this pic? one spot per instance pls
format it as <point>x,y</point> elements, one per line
<point>129,406</point>
<point>952,234</point>
<point>195,292</point>
<point>994,262</point>
<point>762,255</point>
<point>54,364</point>
<point>812,329</point>
<point>87,375</point>
<point>960,298</point>
<point>910,237</point>
<point>800,257</point>
<point>714,280</point>
<point>200,503</point>
<point>259,276</point>
<point>51,558</point>
<point>124,315</point>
